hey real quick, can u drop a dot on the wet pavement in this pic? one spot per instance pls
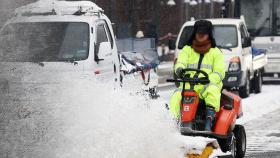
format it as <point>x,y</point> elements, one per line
<point>263,136</point>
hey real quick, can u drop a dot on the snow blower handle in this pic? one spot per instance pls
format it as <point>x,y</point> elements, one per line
<point>198,71</point>
<point>193,80</point>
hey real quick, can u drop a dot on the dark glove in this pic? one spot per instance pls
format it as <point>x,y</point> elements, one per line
<point>180,72</point>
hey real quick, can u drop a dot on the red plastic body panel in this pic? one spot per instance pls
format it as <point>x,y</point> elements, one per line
<point>189,106</point>
<point>237,104</point>
<point>225,118</point>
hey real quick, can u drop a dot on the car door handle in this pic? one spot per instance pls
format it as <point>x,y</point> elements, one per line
<point>97,60</point>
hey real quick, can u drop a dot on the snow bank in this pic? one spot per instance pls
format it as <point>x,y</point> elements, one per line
<point>257,105</point>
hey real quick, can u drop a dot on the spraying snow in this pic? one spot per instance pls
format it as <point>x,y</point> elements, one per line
<point>70,115</point>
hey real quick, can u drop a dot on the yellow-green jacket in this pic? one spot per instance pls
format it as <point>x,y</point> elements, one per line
<point>213,65</point>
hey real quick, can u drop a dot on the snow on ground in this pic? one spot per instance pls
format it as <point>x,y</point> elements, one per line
<point>259,104</point>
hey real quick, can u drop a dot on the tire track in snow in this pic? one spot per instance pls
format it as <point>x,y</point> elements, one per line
<point>263,134</point>
<point>263,141</point>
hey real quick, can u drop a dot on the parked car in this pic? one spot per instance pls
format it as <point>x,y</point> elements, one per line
<point>243,69</point>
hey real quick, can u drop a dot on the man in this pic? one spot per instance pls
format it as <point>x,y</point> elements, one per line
<point>201,53</point>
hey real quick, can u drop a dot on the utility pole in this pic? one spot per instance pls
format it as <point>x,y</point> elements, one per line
<point>157,15</point>
<point>211,9</point>
<point>187,7</point>
<point>111,9</point>
<point>131,16</point>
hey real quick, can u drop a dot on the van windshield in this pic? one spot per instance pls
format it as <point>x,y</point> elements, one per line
<point>44,42</point>
<point>225,36</point>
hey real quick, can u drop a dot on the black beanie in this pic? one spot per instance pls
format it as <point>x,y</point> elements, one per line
<point>203,26</point>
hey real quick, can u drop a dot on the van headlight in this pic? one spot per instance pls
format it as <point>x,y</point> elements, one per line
<point>234,64</point>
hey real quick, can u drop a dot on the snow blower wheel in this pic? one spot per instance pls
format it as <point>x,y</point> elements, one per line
<point>240,135</point>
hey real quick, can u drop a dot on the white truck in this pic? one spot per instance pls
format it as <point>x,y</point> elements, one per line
<point>61,35</point>
<point>243,69</point>
<point>68,36</point>
<point>262,20</point>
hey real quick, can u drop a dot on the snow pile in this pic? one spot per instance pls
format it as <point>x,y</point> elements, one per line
<point>257,105</point>
<point>67,115</point>
<point>196,145</point>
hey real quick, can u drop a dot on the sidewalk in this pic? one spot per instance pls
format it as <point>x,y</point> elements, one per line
<point>165,71</point>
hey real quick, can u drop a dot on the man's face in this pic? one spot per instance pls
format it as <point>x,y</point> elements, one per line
<point>201,37</point>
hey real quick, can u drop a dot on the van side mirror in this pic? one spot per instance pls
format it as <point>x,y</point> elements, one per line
<point>246,42</point>
<point>103,51</point>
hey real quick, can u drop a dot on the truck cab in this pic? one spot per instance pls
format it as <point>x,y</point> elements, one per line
<point>61,36</point>
<point>262,20</point>
<point>233,39</point>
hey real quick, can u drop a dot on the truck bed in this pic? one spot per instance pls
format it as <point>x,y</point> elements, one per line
<point>259,60</point>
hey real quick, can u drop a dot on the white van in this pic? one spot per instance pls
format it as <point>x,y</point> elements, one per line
<point>61,35</point>
<point>243,69</point>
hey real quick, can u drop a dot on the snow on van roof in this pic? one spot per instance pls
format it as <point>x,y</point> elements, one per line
<point>57,7</point>
<point>219,21</point>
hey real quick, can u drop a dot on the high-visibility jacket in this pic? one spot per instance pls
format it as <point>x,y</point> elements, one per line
<point>213,64</point>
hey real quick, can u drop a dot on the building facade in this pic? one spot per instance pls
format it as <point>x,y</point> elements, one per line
<point>157,17</point>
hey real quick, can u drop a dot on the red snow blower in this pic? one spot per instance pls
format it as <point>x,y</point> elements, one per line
<point>231,137</point>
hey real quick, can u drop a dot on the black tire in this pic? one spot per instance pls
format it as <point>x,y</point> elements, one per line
<point>240,135</point>
<point>244,91</point>
<point>224,144</point>
<point>257,83</point>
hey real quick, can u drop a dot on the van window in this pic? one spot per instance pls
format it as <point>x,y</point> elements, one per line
<point>242,31</point>
<point>277,18</point>
<point>101,35</point>
<point>225,36</point>
<point>44,42</point>
<point>109,35</point>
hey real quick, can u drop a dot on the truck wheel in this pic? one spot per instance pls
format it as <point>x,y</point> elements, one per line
<point>244,91</point>
<point>257,83</point>
<point>240,136</point>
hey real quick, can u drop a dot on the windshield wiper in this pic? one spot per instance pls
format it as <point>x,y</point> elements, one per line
<point>227,48</point>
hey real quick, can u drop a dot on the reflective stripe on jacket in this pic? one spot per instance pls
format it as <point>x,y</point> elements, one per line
<point>212,63</point>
